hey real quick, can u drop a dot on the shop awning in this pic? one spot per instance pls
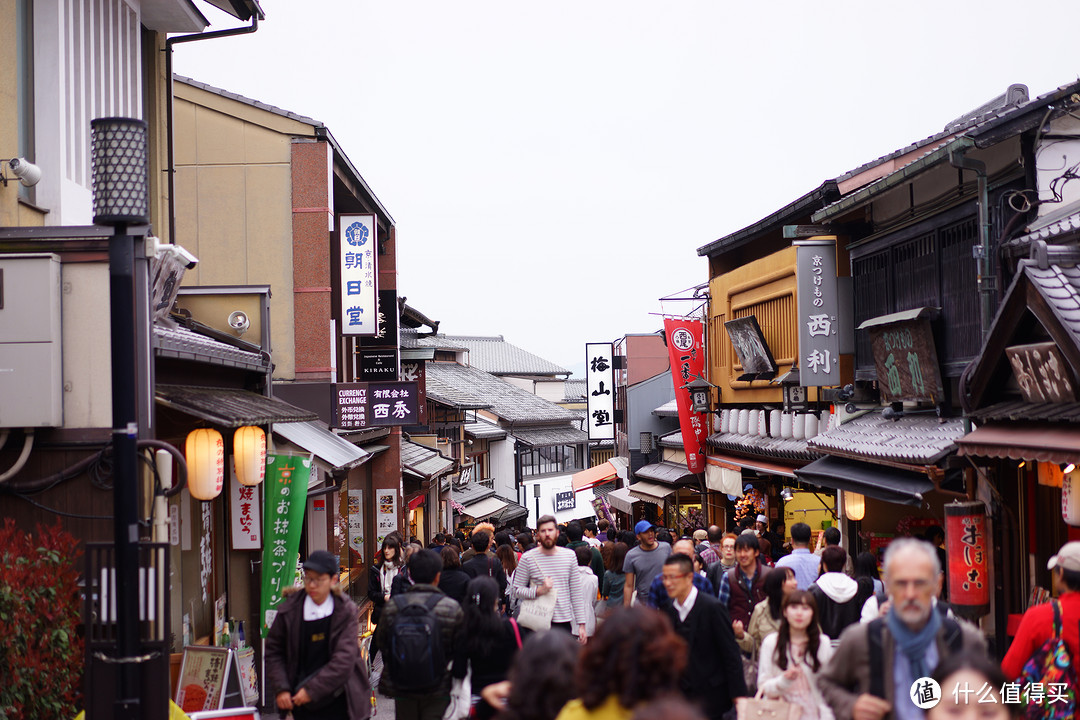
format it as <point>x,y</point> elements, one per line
<point>1054,443</point>
<point>484,431</point>
<point>424,462</point>
<point>555,435</point>
<point>621,500</point>
<point>761,466</point>
<point>665,472</point>
<point>594,476</point>
<point>229,407</point>
<point>334,451</point>
<point>876,481</point>
<point>650,492</point>
<point>485,508</point>
<point>512,511</point>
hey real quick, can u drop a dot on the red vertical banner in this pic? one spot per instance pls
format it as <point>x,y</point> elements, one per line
<point>686,352</point>
<point>967,548</point>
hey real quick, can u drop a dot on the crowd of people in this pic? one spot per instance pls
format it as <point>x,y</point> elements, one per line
<point>638,624</point>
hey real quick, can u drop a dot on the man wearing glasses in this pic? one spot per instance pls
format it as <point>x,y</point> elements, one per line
<point>714,672</point>
<point>313,662</point>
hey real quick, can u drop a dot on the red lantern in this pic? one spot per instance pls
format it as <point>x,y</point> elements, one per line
<point>968,552</point>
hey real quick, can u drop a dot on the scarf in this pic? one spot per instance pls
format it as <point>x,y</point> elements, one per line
<point>914,644</point>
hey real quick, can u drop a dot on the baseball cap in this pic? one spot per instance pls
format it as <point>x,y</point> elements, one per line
<point>322,561</point>
<point>1067,558</point>
<point>762,518</point>
<point>643,526</point>
<point>700,535</point>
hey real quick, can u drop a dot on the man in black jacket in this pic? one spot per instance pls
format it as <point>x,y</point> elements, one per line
<point>714,671</point>
<point>484,562</point>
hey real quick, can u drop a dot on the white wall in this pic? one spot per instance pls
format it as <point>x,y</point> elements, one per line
<point>552,390</point>
<point>548,487</point>
<point>1052,158</point>
<point>501,461</point>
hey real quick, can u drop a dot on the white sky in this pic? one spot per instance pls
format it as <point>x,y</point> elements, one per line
<point>553,166</point>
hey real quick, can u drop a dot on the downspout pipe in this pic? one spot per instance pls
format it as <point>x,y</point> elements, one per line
<point>983,252</point>
<point>170,170</point>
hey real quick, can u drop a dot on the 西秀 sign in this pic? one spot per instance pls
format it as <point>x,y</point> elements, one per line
<point>375,404</point>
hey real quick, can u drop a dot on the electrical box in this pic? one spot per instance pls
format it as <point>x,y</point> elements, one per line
<point>31,369</point>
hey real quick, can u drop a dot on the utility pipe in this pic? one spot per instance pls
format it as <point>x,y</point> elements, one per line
<point>987,289</point>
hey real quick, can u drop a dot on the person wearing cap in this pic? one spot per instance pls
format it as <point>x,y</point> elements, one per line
<point>1037,625</point>
<point>313,664</point>
<point>644,562</point>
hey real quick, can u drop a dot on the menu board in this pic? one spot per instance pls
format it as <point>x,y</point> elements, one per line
<point>209,679</point>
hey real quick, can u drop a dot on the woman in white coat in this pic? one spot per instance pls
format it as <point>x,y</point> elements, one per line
<point>791,659</point>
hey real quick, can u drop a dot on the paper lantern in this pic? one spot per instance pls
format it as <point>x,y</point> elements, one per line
<point>249,453</point>
<point>205,454</point>
<point>968,552</point>
<point>1070,498</point>
<point>854,505</point>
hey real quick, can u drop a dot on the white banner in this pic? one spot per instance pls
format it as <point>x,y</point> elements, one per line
<point>358,244</point>
<point>600,391</point>
<point>246,518</point>
<point>356,521</point>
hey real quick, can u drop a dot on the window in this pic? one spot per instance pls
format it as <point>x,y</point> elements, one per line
<point>550,460</point>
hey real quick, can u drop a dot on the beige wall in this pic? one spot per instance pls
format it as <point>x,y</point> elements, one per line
<point>234,202</point>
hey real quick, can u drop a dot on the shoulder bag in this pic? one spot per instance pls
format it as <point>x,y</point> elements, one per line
<point>536,613</point>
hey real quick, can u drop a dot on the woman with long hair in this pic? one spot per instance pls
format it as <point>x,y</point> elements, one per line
<point>488,642</point>
<point>509,560</point>
<point>634,658</point>
<point>791,658</point>
<point>541,679</point>
<point>866,566</point>
<point>452,579</point>
<point>388,562</point>
<point>765,619</point>
<point>614,577</point>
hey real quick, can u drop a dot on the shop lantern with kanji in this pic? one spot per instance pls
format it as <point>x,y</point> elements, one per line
<point>967,546</point>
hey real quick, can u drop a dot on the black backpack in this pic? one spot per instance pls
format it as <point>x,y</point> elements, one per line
<point>416,661</point>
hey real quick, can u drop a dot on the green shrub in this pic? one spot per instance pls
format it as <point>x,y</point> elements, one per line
<point>41,652</point>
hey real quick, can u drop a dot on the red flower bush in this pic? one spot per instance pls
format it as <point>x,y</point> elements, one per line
<point>41,653</point>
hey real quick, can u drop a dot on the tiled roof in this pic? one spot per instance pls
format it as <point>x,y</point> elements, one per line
<point>1018,410</point>
<point>498,357</point>
<point>457,385</point>
<point>668,473</point>
<point>1060,286</point>
<point>672,440</point>
<point>472,493</point>
<point>184,344</point>
<point>1052,226</point>
<point>411,339</point>
<point>229,407</point>
<point>914,439</point>
<point>248,101</point>
<point>574,391</point>
<point>552,435</point>
<point>424,461</point>
<point>762,446</point>
<point>668,409</point>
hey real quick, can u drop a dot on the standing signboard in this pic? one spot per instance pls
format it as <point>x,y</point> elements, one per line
<point>600,391</point>
<point>686,353</point>
<point>286,497</point>
<point>358,245</point>
<point>210,679</point>
<point>819,307</point>
<point>969,557</point>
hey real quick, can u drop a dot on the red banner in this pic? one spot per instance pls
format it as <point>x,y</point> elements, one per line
<point>686,352</point>
<point>968,553</point>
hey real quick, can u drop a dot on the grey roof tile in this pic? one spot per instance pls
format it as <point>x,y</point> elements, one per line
<point>769,447</point>
<point>574,391</point>
<point>459,384</point>
<point>915,439</point>
<point>424,461</point>
<point>411,339</point>
<point>498,357</point>
<point>550,435</point>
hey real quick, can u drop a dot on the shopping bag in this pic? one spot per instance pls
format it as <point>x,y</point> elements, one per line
<point>761,708</point>
<point>460,698</point>
<point>535,613</point>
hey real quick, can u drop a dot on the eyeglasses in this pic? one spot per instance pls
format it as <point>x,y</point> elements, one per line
<point>672,578</point>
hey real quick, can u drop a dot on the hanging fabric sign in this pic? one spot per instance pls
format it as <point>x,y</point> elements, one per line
<point>286,497</point>
<point>686,353</point>
<point>968,556</point>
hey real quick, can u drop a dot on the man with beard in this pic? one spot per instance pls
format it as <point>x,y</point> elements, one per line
<point>549,568</point>
<point>875,669</point>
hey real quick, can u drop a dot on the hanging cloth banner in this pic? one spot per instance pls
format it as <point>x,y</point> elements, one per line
<point>286,497</point>
<point>686,353</point>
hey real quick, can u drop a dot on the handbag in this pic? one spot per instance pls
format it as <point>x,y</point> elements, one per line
<point>761,708</point>
<point>749,671</point>
<point>460,705</point>
<point>535,613</point>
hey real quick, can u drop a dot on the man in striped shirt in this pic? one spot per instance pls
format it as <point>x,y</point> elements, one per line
<point>548,568</point>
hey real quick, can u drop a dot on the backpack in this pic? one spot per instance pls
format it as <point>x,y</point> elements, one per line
<point>1051,667</point>
<point>954,640</point>
<point>416,661</point>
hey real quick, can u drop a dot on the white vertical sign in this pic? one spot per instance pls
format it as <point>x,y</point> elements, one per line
<point>600,391</point>
<point>359,274</point>
<point>245,515</point>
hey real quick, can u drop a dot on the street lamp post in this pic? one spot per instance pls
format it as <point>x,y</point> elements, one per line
<point>121,198</point>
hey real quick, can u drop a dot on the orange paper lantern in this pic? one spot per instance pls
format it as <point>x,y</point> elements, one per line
<point>205,454</point>
<point>249,454</point>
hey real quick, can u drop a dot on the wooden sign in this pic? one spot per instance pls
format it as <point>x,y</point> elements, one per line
<point>209,679</point>
<point>1041,373</point>
<point>906,361</point>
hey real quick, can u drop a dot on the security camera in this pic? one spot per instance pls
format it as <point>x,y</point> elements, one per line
<point>239,322</point>
<point>155,248</point>
<point>189,260</point>
<point>28,173</point>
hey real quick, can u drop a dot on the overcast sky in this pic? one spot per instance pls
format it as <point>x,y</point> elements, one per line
<point>554,166</point>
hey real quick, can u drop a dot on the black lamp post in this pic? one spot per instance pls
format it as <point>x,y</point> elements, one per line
<point>118,149</point>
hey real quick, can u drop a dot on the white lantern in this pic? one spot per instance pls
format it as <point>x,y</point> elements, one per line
<point>811,425</point>
<point>205,454</point>
<point>249,453</point>
<point>854,506</point>
<point>1070,498</point>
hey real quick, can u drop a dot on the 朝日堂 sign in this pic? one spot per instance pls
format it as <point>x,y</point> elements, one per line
<point>374,404</point>
<point>359,274</point>
<point>600,391</point>
<point>819,302</point>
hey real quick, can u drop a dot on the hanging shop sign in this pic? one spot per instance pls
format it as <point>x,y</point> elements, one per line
<point>966,544</point>
<point>686,353</point>
<point>286,497</point>
<point>416,371</point>
<point>1070,497</point>
<point>906,359</point>
<point>380,364</point>
<point>387,516</point>
<point>753,352</point>
<point>600,390</point>
<point>245,516</point>
<point>818,295</point>
<point>565,501</point>
<point>358,246</point>
<point>375,404</point>
<point>378,355</point>
<point>1041,373</point>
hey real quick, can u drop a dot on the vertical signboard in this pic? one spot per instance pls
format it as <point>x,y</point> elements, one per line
<point>359,274</point>
<point>416,371</point>
<point>686,352</point>
<point>244,511</point>
<point>386,514</point>
<point>819,302</point>
<point>969,557</point>
<point>356,527</point>
<point>286,497</point>
<point>600,391</point>
<point>378,353</point>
